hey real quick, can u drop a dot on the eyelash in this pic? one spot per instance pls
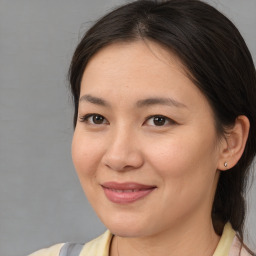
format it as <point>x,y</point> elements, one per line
<point>167,119</point>
<point>86,118</point>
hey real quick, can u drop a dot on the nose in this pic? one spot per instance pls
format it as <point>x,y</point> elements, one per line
<point>123,152</point>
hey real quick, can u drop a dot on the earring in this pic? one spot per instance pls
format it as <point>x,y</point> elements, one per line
<point>225,164</point>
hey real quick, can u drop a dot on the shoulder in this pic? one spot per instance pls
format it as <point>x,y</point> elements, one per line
<point>229,244</point>
<point>98,246</point>
<point>51,251</point>
<point>236,247</point>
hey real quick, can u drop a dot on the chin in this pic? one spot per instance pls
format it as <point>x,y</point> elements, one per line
<point>124,227</point>
<point>127,231</point>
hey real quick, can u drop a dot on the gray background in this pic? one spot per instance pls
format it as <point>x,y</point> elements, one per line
<point>40,196</point>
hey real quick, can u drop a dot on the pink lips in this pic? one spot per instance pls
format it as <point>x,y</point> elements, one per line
<point>123,193</point>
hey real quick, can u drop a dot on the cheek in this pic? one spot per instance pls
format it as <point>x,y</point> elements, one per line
<point>174,157</point>
<point>187,177</point>
<point>185,162</point>
<point>84,154</point>
<point>86,158</point>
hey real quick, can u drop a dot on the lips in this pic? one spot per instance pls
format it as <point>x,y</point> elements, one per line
<point>124,193</point>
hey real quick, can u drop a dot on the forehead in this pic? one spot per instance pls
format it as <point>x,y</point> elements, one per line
<point>127,63</point>
<point>137,51</point>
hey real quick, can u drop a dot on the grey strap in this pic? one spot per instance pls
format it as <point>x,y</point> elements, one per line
<point>71,249</point>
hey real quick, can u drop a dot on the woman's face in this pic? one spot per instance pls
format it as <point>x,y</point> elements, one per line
<point>145,146</point>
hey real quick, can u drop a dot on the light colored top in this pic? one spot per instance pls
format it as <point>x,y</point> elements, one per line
<point>229,245</point>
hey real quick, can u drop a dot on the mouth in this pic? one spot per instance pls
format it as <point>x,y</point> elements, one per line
<point>124,193</point>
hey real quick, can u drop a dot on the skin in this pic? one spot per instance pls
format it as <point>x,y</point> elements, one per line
<point>181,157</point>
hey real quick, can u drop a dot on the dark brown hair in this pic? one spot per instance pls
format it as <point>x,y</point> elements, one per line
<point>218,62</point>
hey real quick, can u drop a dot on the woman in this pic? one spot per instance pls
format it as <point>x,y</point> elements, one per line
<point>164,95</point>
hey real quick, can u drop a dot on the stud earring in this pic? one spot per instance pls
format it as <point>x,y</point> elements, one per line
<point>225,164</point>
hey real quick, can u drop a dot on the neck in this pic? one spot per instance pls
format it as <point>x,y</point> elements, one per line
<point>200,240</point>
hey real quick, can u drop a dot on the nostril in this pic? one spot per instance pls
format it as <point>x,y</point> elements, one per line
<point>123,161</point>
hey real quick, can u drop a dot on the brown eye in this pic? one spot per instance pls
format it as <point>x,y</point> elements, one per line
<point>159,120</point>
<point>93,119</point>
<point>98,119</point>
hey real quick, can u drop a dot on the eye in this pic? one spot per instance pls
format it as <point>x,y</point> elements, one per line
<point>93,119</point>
<point>159,120</point>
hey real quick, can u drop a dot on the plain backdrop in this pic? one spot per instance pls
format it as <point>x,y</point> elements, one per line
<point>40,197</point>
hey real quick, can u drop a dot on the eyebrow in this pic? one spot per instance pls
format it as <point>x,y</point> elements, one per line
<point>160,101</point>
<point>94,100</point>
<point>141,103</point>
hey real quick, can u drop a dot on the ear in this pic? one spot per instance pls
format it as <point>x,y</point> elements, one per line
<point>232,146</point>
